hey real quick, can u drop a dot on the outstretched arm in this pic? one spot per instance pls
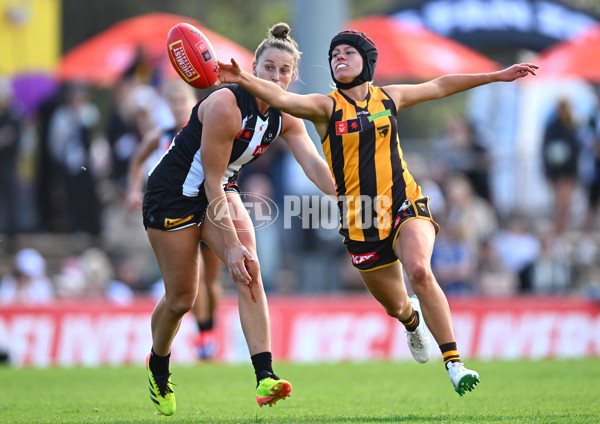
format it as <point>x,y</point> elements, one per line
<point>408,95</point>
<point>306,154</point>
<point>314,107</point>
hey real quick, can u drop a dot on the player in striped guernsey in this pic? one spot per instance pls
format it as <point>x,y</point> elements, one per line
<point>192,195</point>
<point>385,218</point>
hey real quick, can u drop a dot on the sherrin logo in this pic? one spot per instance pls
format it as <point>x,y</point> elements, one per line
<point>183,62</point>
<point>201,45</point>
<point>203,49</point>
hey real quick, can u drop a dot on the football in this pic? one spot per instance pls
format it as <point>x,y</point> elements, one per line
<point>192,55</point>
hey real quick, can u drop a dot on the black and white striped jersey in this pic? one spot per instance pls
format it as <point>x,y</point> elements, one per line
<point>180,169</point>
<point>166,138</point>
<point>164,141</point>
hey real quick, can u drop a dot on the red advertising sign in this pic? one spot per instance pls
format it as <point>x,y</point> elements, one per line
<point>303,330</point>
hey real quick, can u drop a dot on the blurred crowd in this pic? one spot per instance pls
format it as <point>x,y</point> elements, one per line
<point>64,171</point>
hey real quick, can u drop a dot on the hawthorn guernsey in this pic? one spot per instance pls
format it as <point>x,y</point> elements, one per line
<point>192,55</point>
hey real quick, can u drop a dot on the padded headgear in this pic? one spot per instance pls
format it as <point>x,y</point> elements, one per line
<point>367,50</point>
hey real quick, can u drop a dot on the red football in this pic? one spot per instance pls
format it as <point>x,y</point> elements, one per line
<point>192,55</point>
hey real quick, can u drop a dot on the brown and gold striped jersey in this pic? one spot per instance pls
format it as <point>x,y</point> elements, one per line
<point>364,155</point>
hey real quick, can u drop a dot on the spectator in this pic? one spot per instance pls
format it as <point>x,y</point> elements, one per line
<point>461,151</point>
<point>28,283</point>
<point>591,158</point>
<point>421,172</point>
<point>494,278</point>
<point>71,133</point>
<point>92,276</point>
<point>140,104</point>
<point>141,70</point>
<point>551,272</point>
<point>471,215</point>
<point>100,277</point>
<point>453,261</point>
<point>518,248</point>
<point>119,121</point>
<point>10,129</point>
<point>560,153</point>
<point>47,175</point>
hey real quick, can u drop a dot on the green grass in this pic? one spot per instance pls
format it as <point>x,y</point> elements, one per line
<point>363,393</point>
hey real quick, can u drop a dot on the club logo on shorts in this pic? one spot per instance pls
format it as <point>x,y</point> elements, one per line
<point>363,258</point>
<point>170,223</point>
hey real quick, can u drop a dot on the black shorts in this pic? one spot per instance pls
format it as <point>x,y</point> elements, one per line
<point>164,209</point>
<point>372,255</point>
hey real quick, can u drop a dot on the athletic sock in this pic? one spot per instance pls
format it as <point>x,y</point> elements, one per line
<point>263,366</point>
<point>450,353</point>
<point>159,365</point>
<point>412,322</point>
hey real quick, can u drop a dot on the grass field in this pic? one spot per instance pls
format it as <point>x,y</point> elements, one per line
<point>362,393</point>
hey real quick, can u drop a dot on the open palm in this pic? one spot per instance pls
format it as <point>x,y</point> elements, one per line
<point>228,72</point>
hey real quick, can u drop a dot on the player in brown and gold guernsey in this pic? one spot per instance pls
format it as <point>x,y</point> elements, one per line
<point>385,218</point>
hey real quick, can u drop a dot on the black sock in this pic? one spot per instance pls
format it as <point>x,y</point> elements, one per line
<point>263,366</point>
<point>412,322</point>
<point>159,365</point>
<point>450,353</point>
<point>205,325</point>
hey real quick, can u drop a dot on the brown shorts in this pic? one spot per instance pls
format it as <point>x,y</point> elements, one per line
<point>371,255</point>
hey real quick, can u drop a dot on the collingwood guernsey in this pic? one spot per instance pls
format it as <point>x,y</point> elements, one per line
<point>180,169</point>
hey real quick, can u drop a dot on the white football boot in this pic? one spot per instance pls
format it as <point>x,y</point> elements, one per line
<point>462,379</point>
<point>418,341</point>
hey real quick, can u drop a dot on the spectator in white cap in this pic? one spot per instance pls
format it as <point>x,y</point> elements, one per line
<point>28,283</point>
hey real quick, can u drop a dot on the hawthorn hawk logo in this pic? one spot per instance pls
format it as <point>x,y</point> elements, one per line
<point>383,131</point>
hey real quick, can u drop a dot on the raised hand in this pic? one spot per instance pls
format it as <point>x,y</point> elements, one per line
<point>518,70</point>
<point>228,72</point>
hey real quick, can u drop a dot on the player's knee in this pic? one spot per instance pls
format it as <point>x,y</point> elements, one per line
<point>253,269</point>
<point>419,274</point>
<point>180,305</point>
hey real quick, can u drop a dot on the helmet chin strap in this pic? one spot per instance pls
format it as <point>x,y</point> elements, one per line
<point>348,85</point>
